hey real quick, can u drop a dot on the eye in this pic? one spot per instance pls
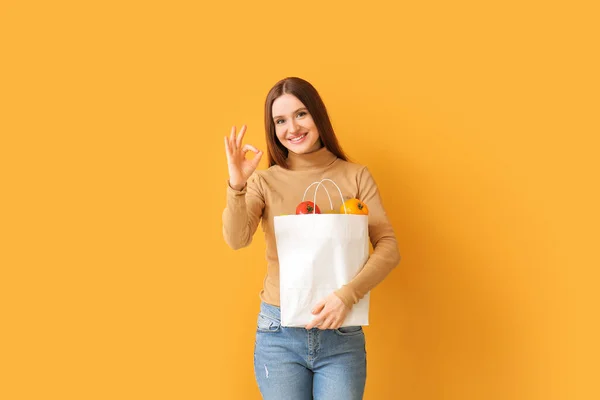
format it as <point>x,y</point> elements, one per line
<point>278,121</point>
<point>302,113</point>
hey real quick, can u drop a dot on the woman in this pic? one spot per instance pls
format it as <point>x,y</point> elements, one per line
<point>321,360</point>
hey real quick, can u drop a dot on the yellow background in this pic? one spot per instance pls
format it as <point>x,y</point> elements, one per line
<point>479,122</point>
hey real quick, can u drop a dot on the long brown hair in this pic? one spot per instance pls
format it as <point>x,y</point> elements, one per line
<point>308,95</point>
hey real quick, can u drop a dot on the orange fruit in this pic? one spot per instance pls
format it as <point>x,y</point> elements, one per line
<point>354,206</point>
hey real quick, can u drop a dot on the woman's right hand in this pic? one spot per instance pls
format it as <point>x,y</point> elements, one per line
<point>240,168</point>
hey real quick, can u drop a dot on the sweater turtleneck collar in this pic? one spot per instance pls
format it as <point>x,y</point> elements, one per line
<point>317,159</point>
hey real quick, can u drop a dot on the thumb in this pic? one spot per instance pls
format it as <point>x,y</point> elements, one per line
<point>319,307</point>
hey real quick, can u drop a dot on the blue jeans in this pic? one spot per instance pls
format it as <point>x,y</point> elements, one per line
<point>300,364</point>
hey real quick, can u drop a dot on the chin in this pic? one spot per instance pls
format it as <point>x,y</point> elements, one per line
<point>306,149</point>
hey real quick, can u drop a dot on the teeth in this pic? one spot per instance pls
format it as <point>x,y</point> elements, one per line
<point>298,138</point>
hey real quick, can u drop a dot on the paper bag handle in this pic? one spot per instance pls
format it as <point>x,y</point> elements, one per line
<point>315,199</point>
<point>337,187</point>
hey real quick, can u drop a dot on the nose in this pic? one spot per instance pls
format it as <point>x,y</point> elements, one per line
<point>293,126</point>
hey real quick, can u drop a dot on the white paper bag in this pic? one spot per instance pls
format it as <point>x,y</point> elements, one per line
<point>319,253</point>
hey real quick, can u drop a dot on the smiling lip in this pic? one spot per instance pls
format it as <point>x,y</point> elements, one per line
<point>301,138</point>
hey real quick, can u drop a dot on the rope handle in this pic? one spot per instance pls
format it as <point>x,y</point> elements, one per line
<point>319,184</point>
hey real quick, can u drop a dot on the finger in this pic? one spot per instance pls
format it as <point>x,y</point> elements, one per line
<point>316,321</point>
<point>227,150</point>
<point>240,136</point>
<point>256,160</point>
<point>319,307</point>
<point>336,324</point>
<point>327,324</point>
<point>232,139</point>
<point>322,326</point>
<point>249,147</point>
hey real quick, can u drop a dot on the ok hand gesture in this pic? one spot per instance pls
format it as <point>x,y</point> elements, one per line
<point>239,167</point>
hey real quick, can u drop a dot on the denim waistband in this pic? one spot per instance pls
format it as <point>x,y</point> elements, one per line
<point>270,310</point>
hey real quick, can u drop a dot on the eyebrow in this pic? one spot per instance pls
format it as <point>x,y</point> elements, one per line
<point>300,109</point>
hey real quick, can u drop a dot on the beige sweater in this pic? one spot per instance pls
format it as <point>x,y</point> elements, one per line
<point>277,191</point>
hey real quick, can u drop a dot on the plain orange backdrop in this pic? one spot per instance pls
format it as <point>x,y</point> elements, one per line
<point>478,120</point>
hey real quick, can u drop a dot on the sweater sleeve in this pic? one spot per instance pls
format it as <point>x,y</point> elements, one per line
<point>385,256</point>
<point>243,211</point>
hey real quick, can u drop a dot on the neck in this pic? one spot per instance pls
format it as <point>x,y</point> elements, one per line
<point>319,158</point>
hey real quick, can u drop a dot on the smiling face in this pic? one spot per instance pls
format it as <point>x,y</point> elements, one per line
<point>294,126</point>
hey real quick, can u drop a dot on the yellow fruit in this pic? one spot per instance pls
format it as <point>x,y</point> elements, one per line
<point>354,206</point>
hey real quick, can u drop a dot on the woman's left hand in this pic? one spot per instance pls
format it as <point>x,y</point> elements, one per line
<point>329,313</point>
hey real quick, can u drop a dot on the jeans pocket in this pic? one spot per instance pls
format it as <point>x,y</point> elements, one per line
<point>349,330</point>
<point>267,324</point>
